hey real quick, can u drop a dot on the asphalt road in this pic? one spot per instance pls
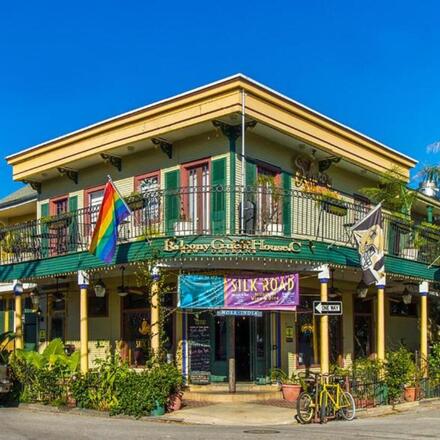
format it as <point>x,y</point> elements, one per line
<point>423,423</point>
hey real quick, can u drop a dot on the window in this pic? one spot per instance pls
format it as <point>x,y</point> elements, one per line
<point>97,306</point>
<point>399,308</point>
<point>58,228</point>
<point>148,186</point>
<point>92,201</point>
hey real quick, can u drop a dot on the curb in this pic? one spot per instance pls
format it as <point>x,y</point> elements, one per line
<point>386,410</point>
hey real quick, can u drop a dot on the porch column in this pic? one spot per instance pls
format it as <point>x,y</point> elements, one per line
<point>6,322</point>
<point>347,328</point>
<point>83,282</point>
<point>324,276</point>
<point>230,352</point>
<point>380,320</point>
<point>18,319</point>
<point>423,289</point>
<point>155,319</point>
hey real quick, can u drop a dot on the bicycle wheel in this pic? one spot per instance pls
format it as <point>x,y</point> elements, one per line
<point>349,410</point>
<point>323,408</point>
<point>305,408</point>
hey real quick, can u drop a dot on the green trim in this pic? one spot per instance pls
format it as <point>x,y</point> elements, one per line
<point>287,203</point>
<point>140,251</point>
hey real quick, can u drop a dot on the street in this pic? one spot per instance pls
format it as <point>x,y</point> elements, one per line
<point>15,424</point>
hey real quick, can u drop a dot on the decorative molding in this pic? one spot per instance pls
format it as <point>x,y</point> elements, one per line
<point>233,132</point>
<point>325,164</point>
<point>114,161</point>
<point>69,173</point>
<point>36,186</point>
<point>165,146</point>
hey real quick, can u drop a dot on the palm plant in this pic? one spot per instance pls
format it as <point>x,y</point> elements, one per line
<point>393,192</point>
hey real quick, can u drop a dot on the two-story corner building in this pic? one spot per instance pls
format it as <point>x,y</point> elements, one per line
<point>211,195</point>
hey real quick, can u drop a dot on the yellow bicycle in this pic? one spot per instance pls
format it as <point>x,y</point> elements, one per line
<point>324,399</point>
<point>334,402</point>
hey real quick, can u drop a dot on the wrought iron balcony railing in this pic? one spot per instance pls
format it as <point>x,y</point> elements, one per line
<point>218,210</point>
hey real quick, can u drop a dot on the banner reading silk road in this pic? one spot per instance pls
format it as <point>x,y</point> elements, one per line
<point>262,292</point>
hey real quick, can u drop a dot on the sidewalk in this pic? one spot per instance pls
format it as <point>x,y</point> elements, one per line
<point>235,414</point>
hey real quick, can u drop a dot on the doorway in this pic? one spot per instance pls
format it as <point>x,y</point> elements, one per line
<point>243,349</point>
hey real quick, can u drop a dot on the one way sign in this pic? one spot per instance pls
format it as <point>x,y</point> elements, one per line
<point>327,307</point>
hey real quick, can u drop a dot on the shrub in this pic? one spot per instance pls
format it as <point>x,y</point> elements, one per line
<point>44,377</point>
<point>114,387</point>
<point>400,370</point>
<point>434,364</point>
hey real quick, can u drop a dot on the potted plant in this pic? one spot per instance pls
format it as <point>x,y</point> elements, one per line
<point>332,203</point>
<point>392,192</point>
<point>329,200</point>
<point>412,387</point>
<point>58,222</point>
<point>290,385</point>
<point>399,373</point>
<point>430,230</point>
<point>135,200</point>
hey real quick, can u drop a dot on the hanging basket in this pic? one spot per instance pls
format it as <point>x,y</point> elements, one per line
<point>334,207</point>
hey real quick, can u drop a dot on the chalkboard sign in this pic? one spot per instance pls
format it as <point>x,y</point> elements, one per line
<point>200,354</point>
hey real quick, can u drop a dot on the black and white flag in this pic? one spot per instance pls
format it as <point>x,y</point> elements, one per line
<point>369,236</point>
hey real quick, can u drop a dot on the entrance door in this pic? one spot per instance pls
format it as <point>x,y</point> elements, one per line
<point>242,349</point>
<point>363,327</point>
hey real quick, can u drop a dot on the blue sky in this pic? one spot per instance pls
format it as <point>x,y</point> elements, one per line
<point>374,65</point>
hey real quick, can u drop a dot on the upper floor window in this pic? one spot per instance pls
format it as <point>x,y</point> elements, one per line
<point>59,205</point>
<point>148,186</point>
<point>92,200</point>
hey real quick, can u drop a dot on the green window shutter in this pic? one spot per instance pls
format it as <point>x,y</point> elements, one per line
<point>218,196</point>
<point>44,209</point>
<point>287,203</point>
<point>251,180</point>
<point>73,226</point>
<point>172,200</point>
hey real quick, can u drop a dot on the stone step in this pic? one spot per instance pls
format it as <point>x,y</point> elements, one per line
<point>225,396</point>
<point>242,387</point>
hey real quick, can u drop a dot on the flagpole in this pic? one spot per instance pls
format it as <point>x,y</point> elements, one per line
<point>119,194</point>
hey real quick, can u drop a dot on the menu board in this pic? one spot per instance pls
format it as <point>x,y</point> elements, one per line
<point>200,354</point>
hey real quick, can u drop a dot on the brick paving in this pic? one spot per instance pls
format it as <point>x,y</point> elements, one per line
<point>277,402</point>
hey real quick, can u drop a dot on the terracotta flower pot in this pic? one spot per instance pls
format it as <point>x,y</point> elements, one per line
<point>291,392</point>
<point>175,402</point>
<point>410,394</point>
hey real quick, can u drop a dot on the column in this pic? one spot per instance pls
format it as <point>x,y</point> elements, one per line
<point>155,319</point>
<point>380,320</point>
<point>230,352</point>
<point>83,283</point>
<point>18,319</point>
<point>424,289</point>
<point>347,328</point>
<point>324,276</point>
<point>6,323</point>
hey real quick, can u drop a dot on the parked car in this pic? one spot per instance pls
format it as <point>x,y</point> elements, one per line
<point>6,382</point>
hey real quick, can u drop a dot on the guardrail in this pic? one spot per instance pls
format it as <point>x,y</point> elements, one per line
<point>218,210</point>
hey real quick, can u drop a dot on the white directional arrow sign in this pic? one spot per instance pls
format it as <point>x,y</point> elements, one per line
<point>327,307</point>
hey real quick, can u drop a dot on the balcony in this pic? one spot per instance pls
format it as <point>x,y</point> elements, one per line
<point>218,211</point>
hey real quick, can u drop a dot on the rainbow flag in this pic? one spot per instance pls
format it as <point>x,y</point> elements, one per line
<point>112,213</point>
